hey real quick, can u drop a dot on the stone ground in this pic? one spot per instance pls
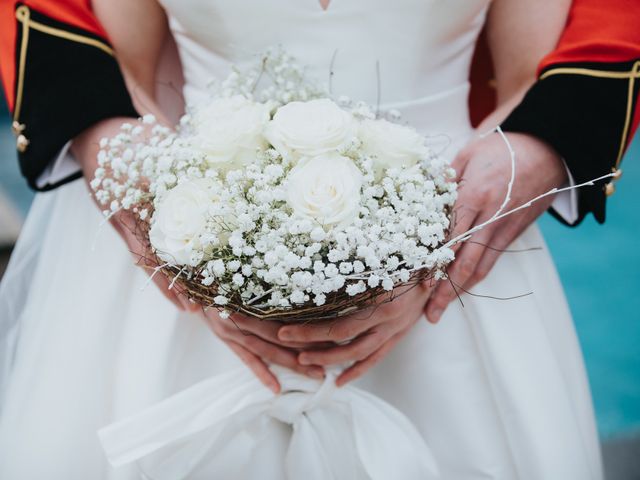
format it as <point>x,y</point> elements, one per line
<point>622,458</point>
<point>621,455</point>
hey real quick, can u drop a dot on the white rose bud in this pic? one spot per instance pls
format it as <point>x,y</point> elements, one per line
<point>301,129</point>
<point>229,131</point>
<point>325,189</point>
<point>390,145</point>
<point>179,219</point>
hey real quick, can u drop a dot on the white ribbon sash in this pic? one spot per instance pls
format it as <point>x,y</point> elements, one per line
<point>338,433</point>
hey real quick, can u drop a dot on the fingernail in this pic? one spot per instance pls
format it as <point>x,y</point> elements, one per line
<point>274,387</point>
<point>317,373</point>
<point>285,335</point>
<point>435,316</point>
<point>304,360</point>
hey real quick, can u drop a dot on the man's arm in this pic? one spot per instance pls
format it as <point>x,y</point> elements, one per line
<point>584,103</point>
<point>60,77</point>
<point>581,109</point>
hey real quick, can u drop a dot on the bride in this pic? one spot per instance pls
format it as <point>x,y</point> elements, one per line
<point>496,389</point>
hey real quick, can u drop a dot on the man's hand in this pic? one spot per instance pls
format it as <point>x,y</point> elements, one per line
<point>364,338</point>
<point>484,170</point>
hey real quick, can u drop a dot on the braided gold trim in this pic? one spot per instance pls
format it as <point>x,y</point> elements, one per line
<point>631,76</point>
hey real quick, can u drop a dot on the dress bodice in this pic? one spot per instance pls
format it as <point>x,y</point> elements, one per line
<point>423,47</point>
<point>413,56</point>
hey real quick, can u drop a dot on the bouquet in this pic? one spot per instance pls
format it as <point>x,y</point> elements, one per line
<point>273,199</point>
<point>277,201</point>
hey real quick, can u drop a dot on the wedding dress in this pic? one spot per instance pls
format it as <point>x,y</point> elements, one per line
<point>496,390</point>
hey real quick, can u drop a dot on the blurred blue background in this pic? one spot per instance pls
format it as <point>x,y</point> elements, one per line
<point>598,265</point>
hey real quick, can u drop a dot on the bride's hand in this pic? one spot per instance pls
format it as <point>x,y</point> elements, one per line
<point>370,334</point>
<point>85,148</point>
<point>256,343</point>
<point>484,170</point>
<point>125,223</point>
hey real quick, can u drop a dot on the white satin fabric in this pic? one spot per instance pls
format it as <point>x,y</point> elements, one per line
<point>496,390</point>
<point>344,433</point>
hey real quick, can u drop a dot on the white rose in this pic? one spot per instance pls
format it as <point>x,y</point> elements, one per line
<point>307,129</point>
<point>230,130</point>
<point>326,189</point>
<point>180,219</point>
<point>390,145</point>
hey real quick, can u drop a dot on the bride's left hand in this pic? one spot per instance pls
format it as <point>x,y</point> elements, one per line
<point>370,334</point>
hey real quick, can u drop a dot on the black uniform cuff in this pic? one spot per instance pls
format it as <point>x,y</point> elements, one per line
<point>584,111</point>
<point>67,79</point>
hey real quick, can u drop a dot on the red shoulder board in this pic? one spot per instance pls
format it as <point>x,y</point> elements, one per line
<point>599,31</point>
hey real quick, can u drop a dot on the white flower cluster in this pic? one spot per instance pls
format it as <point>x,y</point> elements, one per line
<point>281,203</point>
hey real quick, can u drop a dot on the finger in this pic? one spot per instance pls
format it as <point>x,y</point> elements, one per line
<point>189,305</point>
<point>504,235</point>
<point>459,272</point>
<point>459,163</point>
<point>178,298</point>
<point>342,330</point>
<point>125,225</point>
<point>257,366</point>
<point>357,350</point>
<point>163,285</point>
<point>265,329</point>
<point>465,213</point>
<point>360,368</point>
<point>278,355</point>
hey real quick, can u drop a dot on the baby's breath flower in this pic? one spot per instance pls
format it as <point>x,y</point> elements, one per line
<point>250,241</point>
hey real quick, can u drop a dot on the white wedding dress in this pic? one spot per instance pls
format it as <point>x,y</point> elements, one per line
<point>496,390</point>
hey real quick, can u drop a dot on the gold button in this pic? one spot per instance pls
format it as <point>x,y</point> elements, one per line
<point>17,128</point>
<point>22,143</point>
<point>609,189</point>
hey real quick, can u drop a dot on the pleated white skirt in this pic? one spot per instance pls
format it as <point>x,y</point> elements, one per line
<point>497,389</point>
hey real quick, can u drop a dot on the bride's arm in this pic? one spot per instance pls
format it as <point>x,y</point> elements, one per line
<point>137,30</point>
<point>520,33</point>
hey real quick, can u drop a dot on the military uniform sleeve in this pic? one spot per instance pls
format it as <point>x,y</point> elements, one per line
<point>60,77</point>
<point>584,102</point>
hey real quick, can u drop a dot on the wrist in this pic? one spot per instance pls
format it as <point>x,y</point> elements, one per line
<point>543,155</point>
<point>86,145</point>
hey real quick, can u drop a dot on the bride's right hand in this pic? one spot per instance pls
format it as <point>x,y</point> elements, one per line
<point>256,343</point>
<point>137,30</point>
<point>85,148</point>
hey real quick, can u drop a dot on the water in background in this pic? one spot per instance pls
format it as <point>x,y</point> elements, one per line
<point>600,269</point>
<point>598,265</point>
